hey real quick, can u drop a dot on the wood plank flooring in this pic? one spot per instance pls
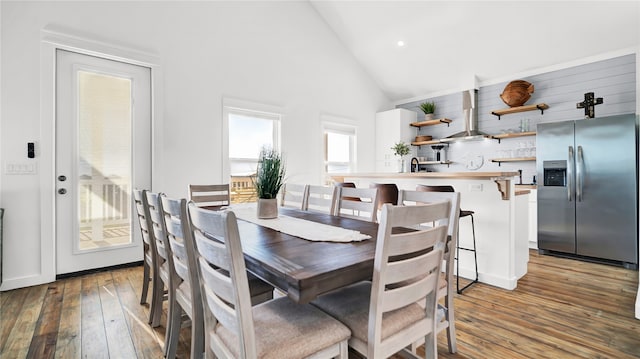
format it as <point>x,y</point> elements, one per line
<point>562,308</point>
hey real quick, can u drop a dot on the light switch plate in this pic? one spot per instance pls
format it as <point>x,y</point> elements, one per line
<point>476,187</point>
<point>20,168</point>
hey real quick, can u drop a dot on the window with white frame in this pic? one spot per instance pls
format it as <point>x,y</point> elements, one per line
<point>339,148</point>
<point>249,128</point>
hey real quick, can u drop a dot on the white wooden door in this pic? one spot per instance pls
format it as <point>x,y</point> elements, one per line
<point>103,151</point>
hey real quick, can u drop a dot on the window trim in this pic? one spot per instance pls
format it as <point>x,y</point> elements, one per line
<point>339,125</point>
<point>243,107</point>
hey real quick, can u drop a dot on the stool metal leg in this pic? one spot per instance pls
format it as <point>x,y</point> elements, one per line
<point>475,259</point>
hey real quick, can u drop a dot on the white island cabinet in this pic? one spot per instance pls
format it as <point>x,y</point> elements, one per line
<point>392,127</point>
<point>501,219</point>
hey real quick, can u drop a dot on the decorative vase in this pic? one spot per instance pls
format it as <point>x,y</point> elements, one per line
<point>428,117</point>
<point>401,167</point>
<point>267,208</point>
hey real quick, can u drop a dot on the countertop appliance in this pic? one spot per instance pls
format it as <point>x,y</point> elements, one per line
<point>587,190</point>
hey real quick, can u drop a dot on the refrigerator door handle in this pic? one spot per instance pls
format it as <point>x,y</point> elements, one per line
<point>579,175</point>
<point>570,169</point>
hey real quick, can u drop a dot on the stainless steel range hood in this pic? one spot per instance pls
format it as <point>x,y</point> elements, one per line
<point>470,113</point>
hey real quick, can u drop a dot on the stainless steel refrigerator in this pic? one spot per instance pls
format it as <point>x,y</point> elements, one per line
<point>587,188</point>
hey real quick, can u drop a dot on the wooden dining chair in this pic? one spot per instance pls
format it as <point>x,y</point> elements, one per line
<point>278,328</point>
<point>150,271</point>
<point>294,195</point>
<point>385,320</point>
<point>321,199</point>
<point>210,195</point>
<point>186,298</point>
<point>446,289</point>
<point>165,259</point>
<point>365,209</point>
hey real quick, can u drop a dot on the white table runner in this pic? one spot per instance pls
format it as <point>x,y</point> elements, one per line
<point>298,227</point>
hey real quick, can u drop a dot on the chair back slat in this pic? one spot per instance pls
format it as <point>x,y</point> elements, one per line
<point>178,248</point>
<point>142,216</point>
<point>402,270</point>
<point>220,295</point>
<point>210,195</point>
<point>419,197</point>
<point>157,222</point>
<point>321,199</point>
<point>213,250</point>
<point>365,209</point>
<point>411,293</point>
<point>182,243</point>
<point>294,195</point>
<point>218,281</point>
<point>409,242</point>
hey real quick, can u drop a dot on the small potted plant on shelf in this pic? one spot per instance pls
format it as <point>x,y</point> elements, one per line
<point>428,108</point>
<point>401,149</point>
<point>269,178</point>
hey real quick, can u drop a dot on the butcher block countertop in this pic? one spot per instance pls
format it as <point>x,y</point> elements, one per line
<point>465,175</point>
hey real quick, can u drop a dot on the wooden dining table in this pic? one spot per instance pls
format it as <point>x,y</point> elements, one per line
<point>305,269</point>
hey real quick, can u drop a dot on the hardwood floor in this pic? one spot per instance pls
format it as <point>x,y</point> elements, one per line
<point>561,309</point>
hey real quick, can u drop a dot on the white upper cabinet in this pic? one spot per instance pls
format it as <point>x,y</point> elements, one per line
<point>391,127</point>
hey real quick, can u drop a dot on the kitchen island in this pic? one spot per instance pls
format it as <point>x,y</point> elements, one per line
<point>501,218</point>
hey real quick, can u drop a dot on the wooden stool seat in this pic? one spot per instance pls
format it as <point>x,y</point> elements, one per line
<point>387,193</point>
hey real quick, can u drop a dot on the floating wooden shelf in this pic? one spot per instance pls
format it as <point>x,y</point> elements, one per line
<point>436,121</point>
<point>507,111</point>
<point>514,159</point>
<point>420,143</point>
<point>435,163</point>
<point>511,135</point>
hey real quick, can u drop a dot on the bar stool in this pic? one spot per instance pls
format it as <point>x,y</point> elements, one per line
<point>387,193</point>
<point>349,185</point>
<point>463,213</point>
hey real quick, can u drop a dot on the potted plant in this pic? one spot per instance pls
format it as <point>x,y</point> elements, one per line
<point>428,108</point>
<point>401,149</point>
<point>269,178</point>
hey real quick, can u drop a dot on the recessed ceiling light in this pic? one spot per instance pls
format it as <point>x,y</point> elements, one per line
<point>400,43</point>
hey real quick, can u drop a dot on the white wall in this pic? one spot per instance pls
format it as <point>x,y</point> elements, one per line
<point>275,53</point>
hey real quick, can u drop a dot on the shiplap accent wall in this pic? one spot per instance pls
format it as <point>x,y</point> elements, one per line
<point>614,80</point>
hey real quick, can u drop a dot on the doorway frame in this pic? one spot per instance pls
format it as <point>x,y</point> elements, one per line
<point>51,41</point>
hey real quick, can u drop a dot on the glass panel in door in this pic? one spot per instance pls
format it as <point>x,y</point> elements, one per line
<point>104,160</point>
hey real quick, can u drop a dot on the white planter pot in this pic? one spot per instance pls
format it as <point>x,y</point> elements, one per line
<point>267,208</point>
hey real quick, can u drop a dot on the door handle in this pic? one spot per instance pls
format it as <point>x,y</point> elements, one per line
<point>579,175</point>
<point>570,174</point>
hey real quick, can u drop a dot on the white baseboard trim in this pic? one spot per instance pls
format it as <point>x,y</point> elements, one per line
<point>501,282</point>
<point>22,282</point>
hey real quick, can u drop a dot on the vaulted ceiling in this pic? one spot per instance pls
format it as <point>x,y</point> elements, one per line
<point>453,45</point>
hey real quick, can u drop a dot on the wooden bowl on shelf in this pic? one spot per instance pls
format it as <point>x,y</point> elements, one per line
<point>423,138</point>
<point>516,93</point>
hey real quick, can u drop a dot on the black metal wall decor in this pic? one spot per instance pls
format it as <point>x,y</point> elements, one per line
<point>589,104</point>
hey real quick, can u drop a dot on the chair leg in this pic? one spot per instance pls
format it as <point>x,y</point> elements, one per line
<point>344,350</point>
<point>157,293</point>
<point>430,347</point>
<point>197,335</point>
<point>475,259</point>
<point>174,323</point>
<point>146,278</point>
<point>451,328</point>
